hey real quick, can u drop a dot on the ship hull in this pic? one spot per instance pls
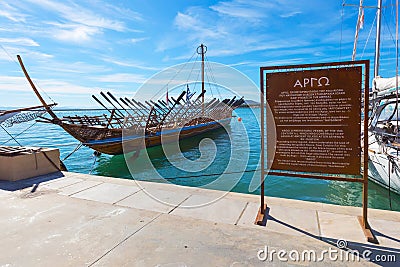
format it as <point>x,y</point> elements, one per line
<point>119,142</point>
<point>381,171</point>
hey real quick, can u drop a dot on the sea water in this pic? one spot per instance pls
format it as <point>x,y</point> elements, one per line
<point>227,159</point>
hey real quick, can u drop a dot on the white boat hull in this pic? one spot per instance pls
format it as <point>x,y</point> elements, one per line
<point>381,170</point>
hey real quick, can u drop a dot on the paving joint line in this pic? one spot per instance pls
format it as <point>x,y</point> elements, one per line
<point>61,187</point>
<point>115,203</point>
<point>90,187</point>
<point>174,208</point>
<point>125,239</point>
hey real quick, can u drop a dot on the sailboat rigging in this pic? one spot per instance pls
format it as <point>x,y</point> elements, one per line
<point>384,147</point>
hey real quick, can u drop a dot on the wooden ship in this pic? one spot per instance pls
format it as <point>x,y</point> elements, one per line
<point>131,125</point>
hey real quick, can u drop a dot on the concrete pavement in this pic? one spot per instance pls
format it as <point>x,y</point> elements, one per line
<point>75,219</point>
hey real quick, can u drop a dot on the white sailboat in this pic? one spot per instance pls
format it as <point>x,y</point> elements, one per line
<point>384,124</point>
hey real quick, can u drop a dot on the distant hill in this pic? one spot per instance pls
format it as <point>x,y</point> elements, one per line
<point>250,103</point>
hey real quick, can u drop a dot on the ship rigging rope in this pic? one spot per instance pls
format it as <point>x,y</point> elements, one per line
<point>388,26</point>
<point>12,59</point>
<point>190,73</point>
<point>209,85</point>
<point>209,78</point>
<point>369,35</point>
<point>372,27</point>
<point>213,77</point>
<point>197,78</point>
<point>176,74</point>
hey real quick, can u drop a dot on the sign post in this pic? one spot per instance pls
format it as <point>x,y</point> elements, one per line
<point>316,109</point>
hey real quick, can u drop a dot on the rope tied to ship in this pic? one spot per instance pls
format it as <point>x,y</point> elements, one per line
<point>76,149</point>
<point>96,154</point>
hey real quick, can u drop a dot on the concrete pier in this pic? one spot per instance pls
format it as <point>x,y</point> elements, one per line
<point>70,219</point>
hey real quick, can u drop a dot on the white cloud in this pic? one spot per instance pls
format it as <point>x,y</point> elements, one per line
<point>240,27</point>
<point>122,78</point>
<point>119,12</point>
<point>69,68</point>
<point>195,26</point>
<point>38,55</point>
<point>239,9</point>
<point>81,22</point>
<point>50,86</point>
<point>19,41</point>
<point>9,53</point>
<point>11,13</point>
<point>290,14</point>
<point>78,14</point>
<point>126,63</point>
<point>225,37</point>
<point>137,40</point>
<point>186,21</point>
<point>76,33</point>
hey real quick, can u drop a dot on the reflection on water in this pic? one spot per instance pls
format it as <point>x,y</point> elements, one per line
<point>139,168</point>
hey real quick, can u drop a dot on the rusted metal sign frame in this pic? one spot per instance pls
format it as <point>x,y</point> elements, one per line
<point>365,64</point>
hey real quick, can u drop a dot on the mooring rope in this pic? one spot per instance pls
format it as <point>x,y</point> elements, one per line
<point>94,163</point>
<point>13,137</point>
<point>76,149</point>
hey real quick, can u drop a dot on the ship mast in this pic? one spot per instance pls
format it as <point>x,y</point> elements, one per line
<point>378,38</point>
<point>202,49</point>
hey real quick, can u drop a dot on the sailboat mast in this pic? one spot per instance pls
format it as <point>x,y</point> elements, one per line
<point>397,63</point>
<point>358,27</point>
<point>378,38</point>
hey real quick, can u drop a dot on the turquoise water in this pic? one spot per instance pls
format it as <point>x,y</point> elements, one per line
<point>228,151</point>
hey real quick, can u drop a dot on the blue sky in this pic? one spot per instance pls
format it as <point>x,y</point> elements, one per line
<point>73,49</point>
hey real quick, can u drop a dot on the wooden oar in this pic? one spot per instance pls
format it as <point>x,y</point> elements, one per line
<point>109,101</point>
<point>111,112</point>
<point>130,115</point>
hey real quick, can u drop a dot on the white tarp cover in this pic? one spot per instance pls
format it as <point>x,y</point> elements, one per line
<point>383,84</point>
